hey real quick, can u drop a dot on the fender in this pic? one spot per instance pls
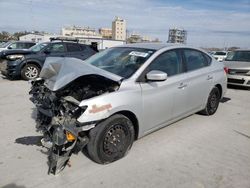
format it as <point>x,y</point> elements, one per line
<point>103,106</point>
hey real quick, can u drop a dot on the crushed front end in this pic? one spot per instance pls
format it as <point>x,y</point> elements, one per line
<point>57,114</point>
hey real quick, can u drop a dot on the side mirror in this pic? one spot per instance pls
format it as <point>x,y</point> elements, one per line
<point>156,75</point>
<point>10,47</point>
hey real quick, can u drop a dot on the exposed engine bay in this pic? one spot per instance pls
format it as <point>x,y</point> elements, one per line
<point>58,111</point>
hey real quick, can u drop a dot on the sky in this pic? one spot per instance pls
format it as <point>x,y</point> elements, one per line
<point>213,23</point>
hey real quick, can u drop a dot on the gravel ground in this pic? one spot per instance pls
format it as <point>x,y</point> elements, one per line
<point>196,152</point>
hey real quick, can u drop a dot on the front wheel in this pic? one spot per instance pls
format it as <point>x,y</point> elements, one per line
<point>212,102</point>
<point>30,71</point>
<point>111,139</point>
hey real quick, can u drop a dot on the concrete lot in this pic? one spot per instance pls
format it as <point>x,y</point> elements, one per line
<point>196,152</point>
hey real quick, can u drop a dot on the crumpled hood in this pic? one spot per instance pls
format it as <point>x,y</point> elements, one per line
<point>59,71</point>
<point>237,64</point>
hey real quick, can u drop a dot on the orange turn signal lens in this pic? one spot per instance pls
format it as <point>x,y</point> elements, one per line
<point>70,137</point>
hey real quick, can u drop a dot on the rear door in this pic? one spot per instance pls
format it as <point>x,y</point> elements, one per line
<point>73,50</point>
<point>199,78</point>
<point>79,51</point>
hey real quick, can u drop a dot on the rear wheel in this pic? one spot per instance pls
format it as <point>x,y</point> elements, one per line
<point>212,102</point>
<point>111,139</point>
<point>30,71</point>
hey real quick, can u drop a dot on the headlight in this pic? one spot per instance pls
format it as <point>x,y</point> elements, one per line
<point>14,57</point>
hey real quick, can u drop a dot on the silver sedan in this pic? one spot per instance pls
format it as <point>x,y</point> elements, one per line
<point>238,65</point>
<point>120,95</point>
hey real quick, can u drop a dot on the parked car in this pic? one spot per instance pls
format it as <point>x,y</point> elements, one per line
<point>238,64</point>
<point>120,95</point>
<point>220,55</point>
<point>28,63</point>
<point>16,45</point>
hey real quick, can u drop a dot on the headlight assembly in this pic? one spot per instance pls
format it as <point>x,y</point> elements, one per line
<point>14,57</point>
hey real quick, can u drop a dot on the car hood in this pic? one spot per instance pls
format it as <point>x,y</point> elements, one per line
<point>237,64</point>
<point>60,71</point>
<point>17,51</point>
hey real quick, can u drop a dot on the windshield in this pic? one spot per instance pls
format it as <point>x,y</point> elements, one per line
<point>220,53</point>
<point>123,61</point>
<point>38,47</point>
<point>238,56</point>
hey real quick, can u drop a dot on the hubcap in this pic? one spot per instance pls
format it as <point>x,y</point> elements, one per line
<point>115,140</point>
<point>31,72</point>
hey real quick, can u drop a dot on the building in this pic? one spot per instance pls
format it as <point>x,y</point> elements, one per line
<point>119,29</point>
<point>106,33</point>
<point>177,36</point>
<point>101,43</point>
<point>134,38</point>
<point>137,38</point>
<point>32,37</point>
<point>37,37</point>
<point>80,31</point>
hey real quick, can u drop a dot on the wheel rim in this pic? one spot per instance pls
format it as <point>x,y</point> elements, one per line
<point>115,140</point>
<point>213,102</point>
<point>31,72</point>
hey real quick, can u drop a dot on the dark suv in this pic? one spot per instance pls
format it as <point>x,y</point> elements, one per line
<point>28,63</point>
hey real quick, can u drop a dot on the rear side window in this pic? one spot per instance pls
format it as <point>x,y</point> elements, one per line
<point>168,62</point>
<point>238,56</point>
<point>87,49</point>
<point>73,47</point>
<point>83,47</point>
<point>195,60</point>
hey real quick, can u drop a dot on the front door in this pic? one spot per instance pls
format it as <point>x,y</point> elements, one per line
<point>56,50</point>
<point>160,97</point>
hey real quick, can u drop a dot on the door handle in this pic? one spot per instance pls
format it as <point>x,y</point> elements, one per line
<point>182,85</point>
<point>62,55</point>
<point>209,77</point>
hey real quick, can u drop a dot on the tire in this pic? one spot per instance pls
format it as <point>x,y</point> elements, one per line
<point>212,102</point>
<point>30,71</point>
<point>111,139</point>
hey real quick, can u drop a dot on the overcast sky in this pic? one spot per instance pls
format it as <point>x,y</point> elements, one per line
<point>216,23</point>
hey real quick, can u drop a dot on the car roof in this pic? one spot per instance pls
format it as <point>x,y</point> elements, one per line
<point>154,46</point>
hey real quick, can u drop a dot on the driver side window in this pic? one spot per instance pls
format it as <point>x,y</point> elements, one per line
<point>168,62</point>
<point>56,48</point>
<point>13,46</point>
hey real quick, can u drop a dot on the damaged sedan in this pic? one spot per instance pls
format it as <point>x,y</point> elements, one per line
<point>120,95</point>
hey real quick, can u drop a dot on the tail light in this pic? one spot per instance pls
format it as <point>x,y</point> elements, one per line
<point>226,70</point>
